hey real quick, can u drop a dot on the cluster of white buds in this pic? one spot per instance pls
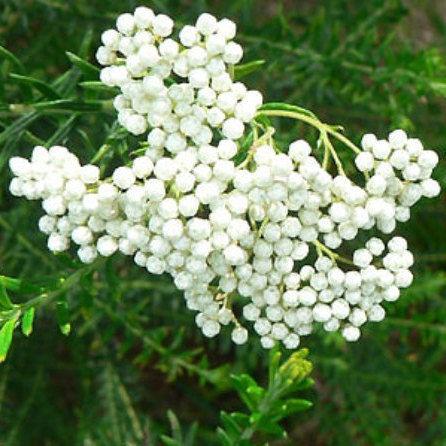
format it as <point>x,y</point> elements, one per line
<point>56,177</point>
<point>330,296</point>
<point>223,231</point>
<point>260,232</point>
<point>182,91</point>
<point>285,203</point>
<point>399,173</point>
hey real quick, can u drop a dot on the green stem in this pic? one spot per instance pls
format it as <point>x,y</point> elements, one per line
<point>266,137</point>
<point>262,227</point>
<point>326,158</point>
<point>328,145</point>
<point>333,256</point>
<point>100,153</point>
<point>314,122</point>
<point>273,393</point>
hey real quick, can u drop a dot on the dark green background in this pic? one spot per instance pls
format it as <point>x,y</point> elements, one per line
<point>368,65</point>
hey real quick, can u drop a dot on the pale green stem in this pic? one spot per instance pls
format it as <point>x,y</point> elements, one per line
<point>326,158</point>
<point>320,247</point>
<point>266,137</point>
<point>332,151</point>
<point>100,153</point>
<point>313,122</point>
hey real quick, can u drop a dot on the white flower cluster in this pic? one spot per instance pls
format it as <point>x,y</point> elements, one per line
<point>223,230</point>
<point>400,173</point>
<point>261,232</point>
<point>328,295</point>
<point>181,90</point>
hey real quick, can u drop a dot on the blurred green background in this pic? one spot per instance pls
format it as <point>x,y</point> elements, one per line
<point>134,351</point>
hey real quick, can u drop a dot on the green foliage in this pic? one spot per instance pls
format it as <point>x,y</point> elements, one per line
<point>242,70</point>
<point>134,354</point>
<point>6,337</point>
<point>178,438</point>
<point>267,406</point>
<point>27,321</point>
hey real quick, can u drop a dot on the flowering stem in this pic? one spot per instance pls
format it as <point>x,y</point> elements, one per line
<point>313,122</point>
<point>262,227</point>
<point>326,158</point>
<point>331,150</point>
<point>320,247</point>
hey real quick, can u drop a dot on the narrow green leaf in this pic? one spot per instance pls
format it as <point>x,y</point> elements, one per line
<point>232,427</point>
<point>63,317</point>
<point>286,107</point>
<point>169,441</point>
<point>304,384</point>
<point>85,46</point>
<point>274,361</point>
<point>256,392</point>
<point>98,86</point>
<point>272,428</point>
<point>224,438</point>
<point>67,82</point>
<point>6,337</point>
<point>18,126</point>
<point>61,133</point>
<point>39,85</point>
<point>27,321</point>
<point>6,54</point>
<point>70,105</point>
<point>439,88</point>
<point>191,435</point>
<point>255,417</point>
<point>175,427</point>
<point>264,121</point>
<point>292,406</point>
<point>18,66</point>
<point>244,148</point>
<point>18,285</point>
<point>241,419</point>
<point>240,71</point>
<point>88,69</point>
<point>244,382</point>
<point>5,302</point>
